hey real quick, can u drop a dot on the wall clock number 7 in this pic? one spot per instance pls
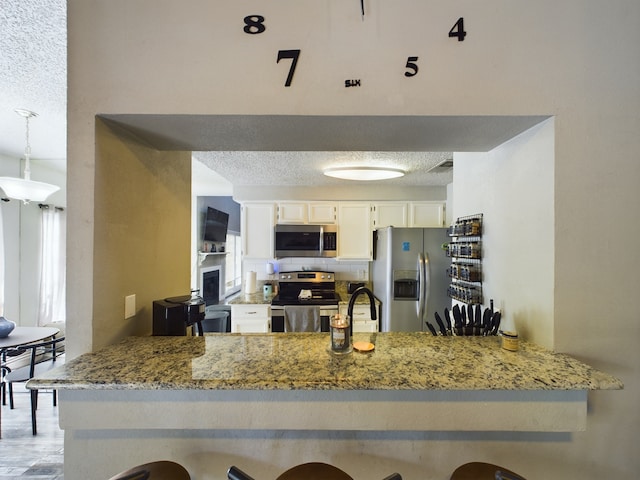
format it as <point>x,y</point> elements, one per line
<point>293,55</point>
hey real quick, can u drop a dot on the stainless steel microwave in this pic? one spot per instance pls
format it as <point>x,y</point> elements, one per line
<point>305,240</point>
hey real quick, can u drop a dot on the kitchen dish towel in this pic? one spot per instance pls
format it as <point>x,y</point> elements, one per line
<point>301,318</point>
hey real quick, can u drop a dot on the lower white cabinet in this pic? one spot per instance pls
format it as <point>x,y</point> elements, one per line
<point>362,317</point>
<point>250,318</point>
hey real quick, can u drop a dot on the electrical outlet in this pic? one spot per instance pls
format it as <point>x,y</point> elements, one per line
<point>129,306</point>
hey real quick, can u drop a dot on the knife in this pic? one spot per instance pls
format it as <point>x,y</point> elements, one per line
<point>467,318</point>
<point>495,323</point>
<point>447,319</point>
<point>470,313</point>
<point>477,322</point>
<point>456,316</point>
<point>486,322</point>
<point>440,324</point>
<point>433,330</point>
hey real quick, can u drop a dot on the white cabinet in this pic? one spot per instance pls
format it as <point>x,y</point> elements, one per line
<point>362,317</point>
<point>292,212</point>
<point>355,240</point>
<point>408,214</point>
<point>389,214</point>
<point>258,220</point>
<point>426,214</point>
<point>322,213</point>
<point>250,318</point>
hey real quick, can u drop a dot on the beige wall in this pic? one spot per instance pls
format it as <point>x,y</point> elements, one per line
<point>142,232</point>
<point>512,186</point>
<point>576,60</point>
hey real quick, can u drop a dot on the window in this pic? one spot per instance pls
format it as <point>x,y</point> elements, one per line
<point>233,266</point>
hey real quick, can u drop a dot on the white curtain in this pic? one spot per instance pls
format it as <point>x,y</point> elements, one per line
<point>53,272</point>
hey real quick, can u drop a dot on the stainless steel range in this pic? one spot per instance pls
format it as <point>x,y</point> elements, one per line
<point>305,288</point>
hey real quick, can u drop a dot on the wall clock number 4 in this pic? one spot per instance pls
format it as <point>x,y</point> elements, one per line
<point>457,31</point>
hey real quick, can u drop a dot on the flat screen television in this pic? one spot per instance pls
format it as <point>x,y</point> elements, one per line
<point>215,226</point>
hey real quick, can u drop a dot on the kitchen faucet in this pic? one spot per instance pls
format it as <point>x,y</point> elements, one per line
<point>352,301</point>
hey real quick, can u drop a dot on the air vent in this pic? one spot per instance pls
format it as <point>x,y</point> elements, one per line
<point>442,167</point>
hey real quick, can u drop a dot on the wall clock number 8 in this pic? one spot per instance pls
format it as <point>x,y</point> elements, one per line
<point>255,25</point>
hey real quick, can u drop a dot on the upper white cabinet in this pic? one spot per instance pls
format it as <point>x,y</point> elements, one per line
<point>407,214</point>
<point>258,220</point>
<point>426,214</point>
<point>389,214</point>
<point>290,212</point>
<point>355,241</point>
<point>321,213</point>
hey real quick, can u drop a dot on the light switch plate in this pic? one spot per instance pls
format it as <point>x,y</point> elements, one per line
<point>129,306</point>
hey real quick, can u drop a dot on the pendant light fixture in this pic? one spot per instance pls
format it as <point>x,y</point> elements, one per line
<point>364,173</point>
<point>26,189</point>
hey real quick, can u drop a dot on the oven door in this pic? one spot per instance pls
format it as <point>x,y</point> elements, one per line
<point>277,317</point>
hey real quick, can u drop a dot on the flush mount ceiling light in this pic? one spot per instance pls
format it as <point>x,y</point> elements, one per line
<point>364,173</point>
<point>26,189</point>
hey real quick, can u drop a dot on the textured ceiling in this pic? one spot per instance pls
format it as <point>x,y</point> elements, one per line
<point>244,150</point>
<point>33,76</point>
<point>305,168</point>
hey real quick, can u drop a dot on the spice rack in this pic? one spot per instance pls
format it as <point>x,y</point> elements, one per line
<point>465,251</point>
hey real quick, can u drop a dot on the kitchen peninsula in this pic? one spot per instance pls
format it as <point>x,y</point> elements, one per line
<point>274,400</point>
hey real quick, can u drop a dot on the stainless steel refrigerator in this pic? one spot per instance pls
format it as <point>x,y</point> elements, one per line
<point>409,276</point>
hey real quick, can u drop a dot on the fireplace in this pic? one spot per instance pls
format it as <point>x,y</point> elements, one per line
<point>212,285</point>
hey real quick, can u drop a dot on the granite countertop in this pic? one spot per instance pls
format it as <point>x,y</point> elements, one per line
<point>257,298</point>
<point>302,361</point>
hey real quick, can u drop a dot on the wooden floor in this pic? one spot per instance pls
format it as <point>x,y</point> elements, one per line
<point>23,455</point>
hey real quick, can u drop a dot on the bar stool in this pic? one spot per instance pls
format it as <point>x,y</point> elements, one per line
<point>160,470</point>
<point>314,471</point>
<point>483,471</point>
<point>306,471</point>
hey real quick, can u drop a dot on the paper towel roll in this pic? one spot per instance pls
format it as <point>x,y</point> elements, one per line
<point>250,282</point>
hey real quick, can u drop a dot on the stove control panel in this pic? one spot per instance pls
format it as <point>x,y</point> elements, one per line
<point>305,277</point>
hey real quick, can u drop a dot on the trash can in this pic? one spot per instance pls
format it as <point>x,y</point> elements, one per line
<point>216,322</point>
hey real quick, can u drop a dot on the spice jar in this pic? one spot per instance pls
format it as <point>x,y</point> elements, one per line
<point>510,341</point>
<point>340,337</point>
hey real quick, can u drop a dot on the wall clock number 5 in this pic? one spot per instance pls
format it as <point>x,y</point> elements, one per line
<point>293,55</point>
<point>457,31</point>
<point>411,66</point>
